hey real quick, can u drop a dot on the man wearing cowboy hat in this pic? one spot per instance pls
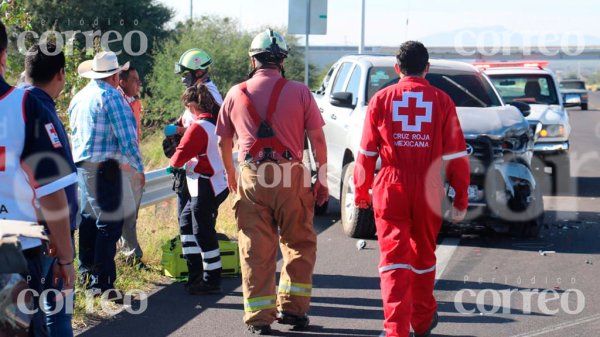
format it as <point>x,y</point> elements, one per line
<point>104,138</point>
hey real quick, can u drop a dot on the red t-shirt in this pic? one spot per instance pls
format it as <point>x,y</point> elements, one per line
<point>296,112</point>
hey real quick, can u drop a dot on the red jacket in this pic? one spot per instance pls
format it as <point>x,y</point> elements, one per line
<point>194,144</point>
<point>414,128</point>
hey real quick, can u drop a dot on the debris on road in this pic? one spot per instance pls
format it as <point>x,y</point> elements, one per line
<point>546,252</point>
<point>361,244</point>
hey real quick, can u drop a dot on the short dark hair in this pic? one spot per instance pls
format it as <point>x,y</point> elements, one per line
<point>42,65</point>
<point>266,59</point>
<point>3,37</point>
<point>124,75</point>
<point>412,58</point>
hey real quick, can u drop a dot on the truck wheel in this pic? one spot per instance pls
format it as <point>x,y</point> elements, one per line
<point>584,106</point>
<point>356,222</point>
<point>534,217</point>
<point>561,173</point>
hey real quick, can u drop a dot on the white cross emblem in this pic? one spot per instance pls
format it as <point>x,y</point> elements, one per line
<point>405,103</point>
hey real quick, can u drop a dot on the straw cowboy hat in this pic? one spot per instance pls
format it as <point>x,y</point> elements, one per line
<point>103,65</point>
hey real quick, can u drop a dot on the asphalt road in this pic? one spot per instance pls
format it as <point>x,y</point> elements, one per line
<point>489,285</point>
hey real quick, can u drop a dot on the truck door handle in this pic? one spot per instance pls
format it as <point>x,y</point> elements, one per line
<point>333,116</point>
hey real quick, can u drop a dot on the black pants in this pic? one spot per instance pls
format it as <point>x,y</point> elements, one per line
<point>197,223</point>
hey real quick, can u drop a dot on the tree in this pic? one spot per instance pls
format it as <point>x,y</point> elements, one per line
<point>111,19</point>
<point>15,19</point>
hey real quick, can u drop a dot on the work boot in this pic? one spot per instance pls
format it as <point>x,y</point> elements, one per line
<point>203,288</point>
<point>434,323</point>
<point>298,322</point>
<point>259,329</point>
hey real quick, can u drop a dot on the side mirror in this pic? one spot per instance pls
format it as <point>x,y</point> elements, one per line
<point>523,107</point>
<point>342,99</point>
<point>571,100</point>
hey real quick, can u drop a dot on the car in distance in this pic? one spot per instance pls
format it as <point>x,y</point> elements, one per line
<point>574,93</point>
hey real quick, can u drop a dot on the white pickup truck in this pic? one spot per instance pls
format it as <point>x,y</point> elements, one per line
<point>499,141</point>
<point>532,82</point>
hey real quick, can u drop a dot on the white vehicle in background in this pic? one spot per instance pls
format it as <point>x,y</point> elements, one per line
<point>533,83</point>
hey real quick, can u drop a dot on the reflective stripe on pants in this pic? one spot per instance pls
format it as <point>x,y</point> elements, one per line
<point>266,216</point>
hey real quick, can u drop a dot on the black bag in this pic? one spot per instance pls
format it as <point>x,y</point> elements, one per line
<point>179,181</point>
<point>170,144</point>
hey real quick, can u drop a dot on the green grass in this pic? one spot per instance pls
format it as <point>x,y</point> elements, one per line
<point>156,225</point>
<point>152,152</point>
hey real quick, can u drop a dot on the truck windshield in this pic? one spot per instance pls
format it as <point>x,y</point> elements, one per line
<point>572,85</point>
<point>528,88</point>
<point>467,89</point>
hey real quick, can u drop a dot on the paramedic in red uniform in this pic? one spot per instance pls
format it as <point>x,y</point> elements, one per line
<point>414,128</point>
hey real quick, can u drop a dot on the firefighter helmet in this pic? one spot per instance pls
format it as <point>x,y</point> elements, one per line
<point>269,42</point>
<point>193,59</point>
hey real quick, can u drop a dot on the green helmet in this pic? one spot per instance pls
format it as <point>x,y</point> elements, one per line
<point>269,42</point>
<point>193,59</point>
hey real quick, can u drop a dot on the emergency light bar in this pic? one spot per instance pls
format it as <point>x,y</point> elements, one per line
<point>517,64</point>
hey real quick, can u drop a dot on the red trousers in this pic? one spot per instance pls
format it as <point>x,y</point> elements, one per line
<point>407,216</point>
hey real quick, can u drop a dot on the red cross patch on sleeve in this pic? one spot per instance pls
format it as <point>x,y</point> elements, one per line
<point>53,135</point>
<point>2,158</point>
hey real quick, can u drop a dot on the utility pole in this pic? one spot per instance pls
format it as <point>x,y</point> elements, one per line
<point>361,46</point>
<point>191,10</point>
<point>306,42</point>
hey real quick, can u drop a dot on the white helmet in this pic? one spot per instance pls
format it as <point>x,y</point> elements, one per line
<point>269,42</point>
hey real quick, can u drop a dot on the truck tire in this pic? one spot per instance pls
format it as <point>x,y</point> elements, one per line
<point>584,106</point>
<point>530,228</point>
<point>356,222</point>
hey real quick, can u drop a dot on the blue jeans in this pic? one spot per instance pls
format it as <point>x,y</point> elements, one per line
<point>58,324</point>
<point>34,256</point>
<point>101,222</point>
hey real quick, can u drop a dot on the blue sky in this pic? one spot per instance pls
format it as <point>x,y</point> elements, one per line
<point>386,20</point>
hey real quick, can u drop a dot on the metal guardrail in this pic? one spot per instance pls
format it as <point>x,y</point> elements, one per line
<point>159,187</point>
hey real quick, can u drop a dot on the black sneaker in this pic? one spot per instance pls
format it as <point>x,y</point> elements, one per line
<point>259,329</point>
<point>298,322</point>
<point>203,288</point>
<point>434,323</point>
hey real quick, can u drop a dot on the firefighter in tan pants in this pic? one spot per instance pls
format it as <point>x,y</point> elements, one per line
<point>274,201</point>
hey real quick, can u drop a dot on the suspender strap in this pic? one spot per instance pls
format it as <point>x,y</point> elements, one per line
<point>275,98</point>
<point>249,105</point>
<point>272,101</point>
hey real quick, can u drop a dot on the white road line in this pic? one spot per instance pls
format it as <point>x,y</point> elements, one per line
<point>443,253</point>
<point>560,326</point>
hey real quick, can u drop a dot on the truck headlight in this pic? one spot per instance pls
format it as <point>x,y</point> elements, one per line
<point>551,131</point>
